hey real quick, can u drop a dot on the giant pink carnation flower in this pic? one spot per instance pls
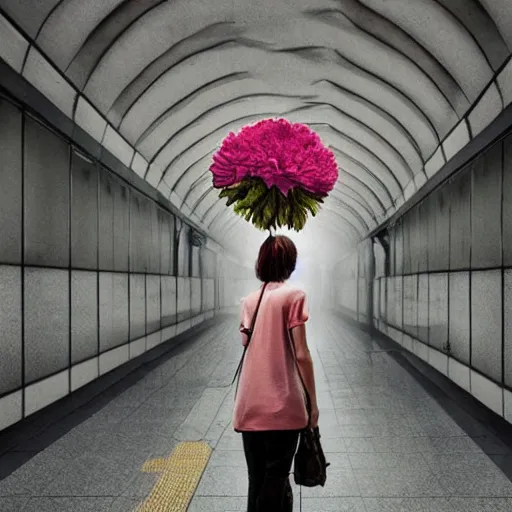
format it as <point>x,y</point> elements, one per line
<point>280,153</point>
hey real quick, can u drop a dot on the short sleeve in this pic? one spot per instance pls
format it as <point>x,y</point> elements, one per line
<point>244,322</point>
<point>243,314</point>
<point>298,313</point>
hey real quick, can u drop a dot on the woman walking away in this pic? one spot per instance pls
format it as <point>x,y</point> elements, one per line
<point>270,406</point>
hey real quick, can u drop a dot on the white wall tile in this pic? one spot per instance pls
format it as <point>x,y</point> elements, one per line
<point>42,75</point>
<point>489,393</point>
<point>154,174</point>
<point>421,350</point>
<point>410,189</point>
<point>435,162</point>
<point>195,217</point>
<point>400,200</point>
<point>168,333</point>
<point>139,164</point>
<point>114,143</point>
<point>185,208</point>
<point>420,179</point>
<point>175,199</point>
<point>137,347</point>
<point>508,405</point>
<point>164,189</point>
<point>486,110</point>
<point>395,335</point>
<point>154,339</point>
<point>183,326</point>
<point>83,373</point>
<point>438,360</point>
<point>90,120</point>
<point>45,392</point>
<point>113,358</point>
<point>13,46</point>
<point>407,342</point>
<point>10,409</point>
<point>457,139</point>
<point>459,373</point>
<point>505,83</point>
<point>380,217</point>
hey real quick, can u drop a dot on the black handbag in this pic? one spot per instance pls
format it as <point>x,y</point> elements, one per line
<point>248,333</point>
<point>310,465</point>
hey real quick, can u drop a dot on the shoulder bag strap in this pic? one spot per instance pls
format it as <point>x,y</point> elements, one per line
<point>249,332</point>
<point>307,397</point>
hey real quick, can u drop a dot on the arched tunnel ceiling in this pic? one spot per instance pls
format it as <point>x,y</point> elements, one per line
<point>383,82</point>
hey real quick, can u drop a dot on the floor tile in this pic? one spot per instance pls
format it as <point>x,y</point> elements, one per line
<point>13,504</point>
<point>67,504</point>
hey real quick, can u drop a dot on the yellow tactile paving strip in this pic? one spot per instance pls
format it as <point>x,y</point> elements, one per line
<point>181,473</point>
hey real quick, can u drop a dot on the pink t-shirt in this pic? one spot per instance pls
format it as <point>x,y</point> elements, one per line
<point>270,394</point>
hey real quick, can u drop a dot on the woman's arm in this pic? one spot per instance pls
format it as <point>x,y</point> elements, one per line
<point>305,363</point>
<point>243,319</point>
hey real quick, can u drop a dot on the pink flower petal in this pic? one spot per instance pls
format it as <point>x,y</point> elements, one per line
<point>282,154</point>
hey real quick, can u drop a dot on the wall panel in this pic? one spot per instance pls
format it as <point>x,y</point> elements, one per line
<point>79,217</point>
<point>460,222</point>
<point>121,225</point>
<point>84,315</point>
<point>195,295</point>
<point>486,324</point>
<point>46,189</point>
<point>153,313</point>
<point>183,287</point>
<point>507,202</point>
<point>422,237</point>
<point>11,183</point>
<point>438,310</point>
<point>184,252</point>
<point>486,209</point>
<point>84,213</point>
<point>113,310</point>
<point>402,253</point>
<point>164,224</point>
<point>168,300</point>
<point>457,275</point>
<point>507,296</point>
<point>137,306</point>
<point>423,308</point>
<point>411,305</point>
<point>415,242</point>
<point>459,309</point>
<point>154,238</point>
<point>46,311</point>
<point>10,322</point>
<point>106,221</point>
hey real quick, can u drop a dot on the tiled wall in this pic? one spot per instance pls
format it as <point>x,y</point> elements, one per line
<point>92,272</point>
<point>447,294</point>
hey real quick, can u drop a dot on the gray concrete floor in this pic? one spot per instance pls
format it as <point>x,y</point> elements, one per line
<point>395,442</point>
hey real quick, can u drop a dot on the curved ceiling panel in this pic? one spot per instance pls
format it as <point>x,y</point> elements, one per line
<point>482,27</point>
<point>450,43</point>
<point>382,82</point>
<point>68,26</point>
<point>29,14</point>
<point>390,34</point>
<point>501,13</point>
<point>103,36</point>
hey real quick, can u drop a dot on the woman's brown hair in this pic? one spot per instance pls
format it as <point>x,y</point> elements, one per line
<point>276,259</point>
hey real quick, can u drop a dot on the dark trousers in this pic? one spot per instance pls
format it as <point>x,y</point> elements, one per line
<point>269,457</point>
